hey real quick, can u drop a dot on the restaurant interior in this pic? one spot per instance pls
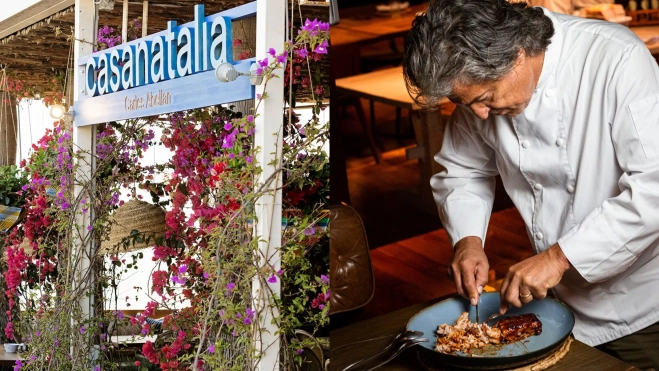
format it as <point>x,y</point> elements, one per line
<point>382,148</point>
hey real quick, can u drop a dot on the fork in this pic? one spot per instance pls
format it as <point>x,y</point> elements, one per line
<point>408,337</point>
<point>493,317</point>
<point>405,345</point>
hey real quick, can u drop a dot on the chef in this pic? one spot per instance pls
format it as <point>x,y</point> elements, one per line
<point>566,110</point>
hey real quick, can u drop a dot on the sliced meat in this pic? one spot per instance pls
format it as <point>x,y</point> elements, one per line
<point>519,327</point>
<point>465,335</point>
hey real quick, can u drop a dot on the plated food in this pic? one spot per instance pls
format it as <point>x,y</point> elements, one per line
<point>465,335</point>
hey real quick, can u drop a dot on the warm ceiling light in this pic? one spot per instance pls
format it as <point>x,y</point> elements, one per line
<point>57,111</point>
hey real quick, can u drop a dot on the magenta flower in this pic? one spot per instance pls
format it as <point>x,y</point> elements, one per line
<point>282,57</point>
<point>272,52</point>
<point>324,278</point>
<point>272,279</point>
<point>322,47</point>
<point>302,53</point>
<point>249,316</point>
<point>182,269</point>
<point>231,286</point>
<point>310,231</point>
<point>211,349</point>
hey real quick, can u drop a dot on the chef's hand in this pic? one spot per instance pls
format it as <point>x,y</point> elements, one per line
<point>533,277</point>
<point>469,268</point>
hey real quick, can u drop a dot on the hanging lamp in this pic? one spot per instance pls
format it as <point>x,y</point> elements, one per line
<point>146,218</point>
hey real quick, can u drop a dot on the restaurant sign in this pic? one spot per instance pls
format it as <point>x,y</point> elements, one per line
<point>169,71</point>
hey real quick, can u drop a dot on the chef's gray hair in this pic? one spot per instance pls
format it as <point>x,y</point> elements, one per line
<point>469,42</point>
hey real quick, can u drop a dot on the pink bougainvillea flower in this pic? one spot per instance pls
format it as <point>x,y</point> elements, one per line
<point>310,231</point>
<point>302,52</point>
<point>211,349</point>
<point>272,279</point>
<point>321,48</point>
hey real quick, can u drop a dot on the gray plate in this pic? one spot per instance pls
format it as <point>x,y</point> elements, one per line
<point>557,323</point>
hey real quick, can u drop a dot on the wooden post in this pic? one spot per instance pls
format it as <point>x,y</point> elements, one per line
<point>124,23</point>
<point>270,33</point>
<point>145,17</point>
<point>83,138</point>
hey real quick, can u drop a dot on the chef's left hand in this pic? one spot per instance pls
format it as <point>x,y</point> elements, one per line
<point>533,277</point>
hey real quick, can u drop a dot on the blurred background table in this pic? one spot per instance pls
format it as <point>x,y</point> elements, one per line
<point>387,86</point>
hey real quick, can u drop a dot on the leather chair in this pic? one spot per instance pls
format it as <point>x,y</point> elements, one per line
<point>352,282</point>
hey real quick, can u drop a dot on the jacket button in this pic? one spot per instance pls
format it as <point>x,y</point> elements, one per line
<point>559,142</point>
<point>538,186</point>
<point>525,144</point>
<point>549,93</point>
<point>340,258</point>
<point>538,235</point>
<point>570,189</point>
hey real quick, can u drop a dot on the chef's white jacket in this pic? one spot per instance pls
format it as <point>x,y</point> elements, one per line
<point>581,163</point>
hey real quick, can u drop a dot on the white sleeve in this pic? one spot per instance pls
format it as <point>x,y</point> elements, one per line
<point>618,231</point>
<point>464,191</point>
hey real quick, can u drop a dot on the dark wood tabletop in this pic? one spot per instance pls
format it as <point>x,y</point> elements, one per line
<point>360,340</point>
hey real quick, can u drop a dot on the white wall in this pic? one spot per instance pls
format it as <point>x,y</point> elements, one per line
<point>33,118</point>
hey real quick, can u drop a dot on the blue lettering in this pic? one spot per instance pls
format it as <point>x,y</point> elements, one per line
<point>142,63</point>
<point>115,75</point>
<point>184,61</point>
<point>90,77</point>
<point>221,34</point>
<point>159,62</point>
<point>128,74</point>
<point>198,35</point>
<point>170,43</point>
<point>103,74</point>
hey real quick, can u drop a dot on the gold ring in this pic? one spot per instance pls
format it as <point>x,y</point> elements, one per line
<point>525,296</point>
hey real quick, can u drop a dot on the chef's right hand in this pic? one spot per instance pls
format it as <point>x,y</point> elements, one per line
<point>469,268</point>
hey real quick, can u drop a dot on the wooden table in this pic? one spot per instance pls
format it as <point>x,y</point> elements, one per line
<point>580,357</point>
<point>392,26</point>
<point>650,36</point>
<point>388,86</point>
<point>8,359</point>
<point>359,27</point>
